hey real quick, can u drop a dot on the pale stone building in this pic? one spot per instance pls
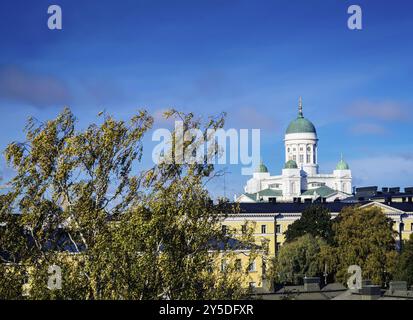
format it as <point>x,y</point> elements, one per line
<point>300,179</point>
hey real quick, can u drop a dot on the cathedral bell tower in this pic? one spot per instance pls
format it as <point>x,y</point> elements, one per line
<point>301,143</point>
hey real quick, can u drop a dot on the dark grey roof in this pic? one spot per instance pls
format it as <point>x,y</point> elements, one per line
<point>291,207</point>
<point>288,207</point>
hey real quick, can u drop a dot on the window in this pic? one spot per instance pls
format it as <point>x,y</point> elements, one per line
<point>308,148</point>
<point>411,227</point>
<point>264,268</point>
<point>277,247</point>
<point>288,149</point>
<point>251,267</point>
<point>238,265</point>
<point>224,229</point>
<point>301,148</point>
<point>301,158</point>
<point>308,158</point>
<point>264,228</point>
<point>223,265</point>
<point>278,228</point>
<point>294,157</point>
<point>401,226</point>
<point>244,228</point>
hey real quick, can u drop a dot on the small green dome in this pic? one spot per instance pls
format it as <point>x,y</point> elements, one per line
<point>342,165</point>
<point>300,124</point>
<point>261,168</point>
<point>290,164</point>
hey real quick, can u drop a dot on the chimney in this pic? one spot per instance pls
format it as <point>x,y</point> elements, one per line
<point>370,292</point>
<point>311,283</point>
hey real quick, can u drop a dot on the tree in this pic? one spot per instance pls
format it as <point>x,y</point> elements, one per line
<point>404,268</point>
<point>364,237</point>
<point>132,233</point>
<point>315,220</point>
<point>299,258</point>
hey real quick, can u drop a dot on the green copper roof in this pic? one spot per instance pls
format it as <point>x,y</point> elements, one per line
<point>261,168</point>
<point>290,164</point>
<point>323,191</point>
<point>270,193</point>
<point>264,193</point>
<point>300,124</point>
<point>342,165</point>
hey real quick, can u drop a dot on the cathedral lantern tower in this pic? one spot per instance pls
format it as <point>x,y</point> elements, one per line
<point>301,143</point>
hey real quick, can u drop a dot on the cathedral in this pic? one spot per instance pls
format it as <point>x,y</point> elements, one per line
<point>300,179</point>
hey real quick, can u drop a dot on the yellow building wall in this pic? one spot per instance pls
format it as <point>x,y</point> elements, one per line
<point>276,239</point>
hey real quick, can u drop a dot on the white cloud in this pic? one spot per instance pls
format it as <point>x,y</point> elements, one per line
<point>385,170</point>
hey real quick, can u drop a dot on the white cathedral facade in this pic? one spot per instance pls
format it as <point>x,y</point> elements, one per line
<point>300,180</point>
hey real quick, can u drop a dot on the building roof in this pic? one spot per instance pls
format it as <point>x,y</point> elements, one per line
<point>270,193</point>
<point>288,207</point>
<point>322,191</point>
<point>264,193</point>
<point>299,207</point>
<point>300,124</point>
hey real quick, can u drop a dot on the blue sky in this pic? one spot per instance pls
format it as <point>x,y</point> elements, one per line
<point>252,59</point>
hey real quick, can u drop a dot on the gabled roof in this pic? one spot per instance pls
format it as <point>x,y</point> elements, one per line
<point>270,193</point>
<point>385,207</point>
<point>322,191</point>
<point>263,193</point>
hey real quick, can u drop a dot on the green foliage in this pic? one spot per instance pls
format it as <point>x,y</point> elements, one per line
<point>299,258</point>
<point>364,237</point>
<point>315,220</point>
<point>404,268</point>
<point>136,234</point>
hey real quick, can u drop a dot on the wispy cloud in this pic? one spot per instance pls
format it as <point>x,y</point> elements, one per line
<point>385,110</point>
<point>368,129</point>
<point>38,90</point>
<point>253,118</point>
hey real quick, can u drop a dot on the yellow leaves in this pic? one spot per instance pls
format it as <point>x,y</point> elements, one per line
<point>364,237</point>
<point>160,229</point>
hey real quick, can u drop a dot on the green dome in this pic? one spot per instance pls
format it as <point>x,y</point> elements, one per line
<point>290,164</point>
<point>301,124</point>
<point>342,165</point>
<point>261,168</point>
